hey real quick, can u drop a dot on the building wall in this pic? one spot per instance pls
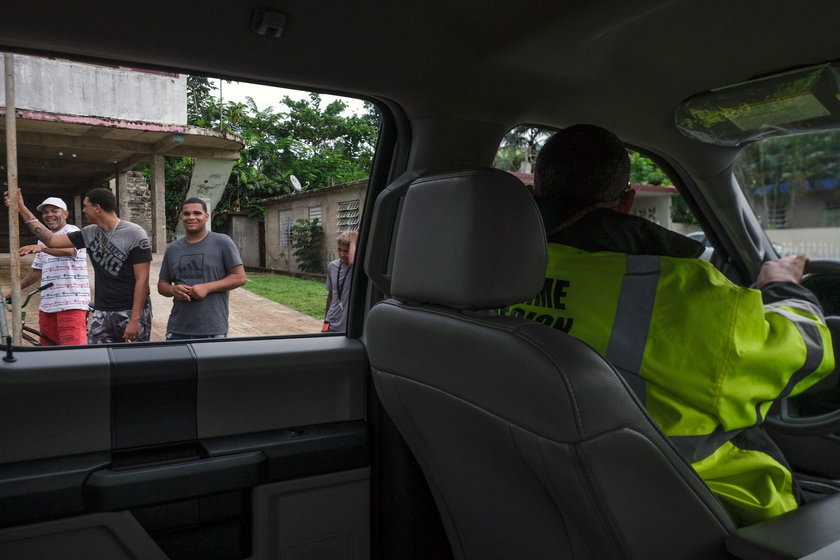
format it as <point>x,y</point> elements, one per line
<point>653,206</point>
<point>140,201</point>
<point>299,205</point>
<point>807,213</point>
<point>74,88</point>
<point>245,233</point>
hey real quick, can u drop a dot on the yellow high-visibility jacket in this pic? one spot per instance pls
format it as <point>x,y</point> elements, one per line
<point>706,357</point>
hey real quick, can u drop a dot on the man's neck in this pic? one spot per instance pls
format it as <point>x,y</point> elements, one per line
<point>108,222</point>
<point>196,236</point>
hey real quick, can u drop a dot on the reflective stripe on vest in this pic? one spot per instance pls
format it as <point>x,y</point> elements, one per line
<point>626,348</point>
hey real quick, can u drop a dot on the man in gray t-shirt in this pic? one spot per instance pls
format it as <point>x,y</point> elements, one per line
<point>198,271</point>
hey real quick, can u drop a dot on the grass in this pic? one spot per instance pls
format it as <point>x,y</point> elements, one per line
<point>307,296</point>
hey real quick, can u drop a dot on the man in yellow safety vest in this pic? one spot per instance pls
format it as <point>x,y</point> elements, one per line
<point>706,357</point>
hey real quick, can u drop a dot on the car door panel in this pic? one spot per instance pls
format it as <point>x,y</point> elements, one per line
<point>55,404</point>
<point>181,435</point>
<point>270,391</point>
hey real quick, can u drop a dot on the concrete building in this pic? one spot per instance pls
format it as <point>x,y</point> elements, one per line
<point>338,208</point>
<point>81,126</point>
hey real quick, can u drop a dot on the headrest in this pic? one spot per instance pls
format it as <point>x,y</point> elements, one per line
<point>469,240</point>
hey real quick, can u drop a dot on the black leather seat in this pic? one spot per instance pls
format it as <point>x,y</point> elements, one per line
<point>531,443</point>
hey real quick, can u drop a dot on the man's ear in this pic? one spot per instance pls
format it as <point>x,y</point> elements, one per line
<point>626,202</point>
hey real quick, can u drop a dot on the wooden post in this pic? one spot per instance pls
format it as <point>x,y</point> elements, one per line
<point>78,217</point>
<point>12,173</point>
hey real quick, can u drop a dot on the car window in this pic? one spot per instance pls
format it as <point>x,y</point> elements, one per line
<point>657,199</point>
<point>282,173</point>
<point>791,183</point>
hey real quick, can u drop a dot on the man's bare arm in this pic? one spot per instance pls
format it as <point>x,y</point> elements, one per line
<point>177,291</point>
<point>141,292</point>
<point>29,249</point>
<point>236,277</point>
<point>33,276</point>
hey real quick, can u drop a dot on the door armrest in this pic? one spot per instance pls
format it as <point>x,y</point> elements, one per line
<point>811,532</point>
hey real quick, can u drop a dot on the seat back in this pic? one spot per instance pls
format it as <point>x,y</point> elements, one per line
<point>531,443</point>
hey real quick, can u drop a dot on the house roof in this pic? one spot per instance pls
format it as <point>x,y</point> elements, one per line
<point>68,154</point>
<point>313,193</point>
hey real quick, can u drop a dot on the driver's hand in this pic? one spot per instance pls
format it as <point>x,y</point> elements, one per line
<point>785,269</point>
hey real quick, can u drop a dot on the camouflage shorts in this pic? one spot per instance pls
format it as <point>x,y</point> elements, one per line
<point>108,326</point>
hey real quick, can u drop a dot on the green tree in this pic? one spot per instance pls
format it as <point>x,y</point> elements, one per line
<point>645,171</point>
<point>776,174</point>
<point>307,241</point>
<point>318,144</point>
<point>519,148</point>
<point>202,108</point>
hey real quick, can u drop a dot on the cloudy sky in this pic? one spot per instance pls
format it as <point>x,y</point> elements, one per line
<point>267,96</point>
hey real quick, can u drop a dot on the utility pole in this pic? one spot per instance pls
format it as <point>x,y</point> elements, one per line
<point>12,174</point>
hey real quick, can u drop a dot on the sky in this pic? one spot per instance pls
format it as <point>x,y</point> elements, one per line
<point>268,96</point>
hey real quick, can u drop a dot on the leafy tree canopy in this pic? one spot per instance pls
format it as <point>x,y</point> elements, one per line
<point>318,144</point>
<point>775,174</point>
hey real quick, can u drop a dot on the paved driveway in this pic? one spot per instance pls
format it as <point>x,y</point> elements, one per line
<point>250,314</point>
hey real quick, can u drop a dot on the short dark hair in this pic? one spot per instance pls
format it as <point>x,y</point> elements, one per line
<point>580,166</point>
<point>194,201</point>
<point>102,197</point>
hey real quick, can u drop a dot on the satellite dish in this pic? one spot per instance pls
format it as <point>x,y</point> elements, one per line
<point>295,183</point>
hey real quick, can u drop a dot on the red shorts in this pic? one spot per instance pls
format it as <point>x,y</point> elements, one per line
<point>64,328</point>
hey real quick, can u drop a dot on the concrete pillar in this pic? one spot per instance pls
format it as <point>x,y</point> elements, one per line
<point>158,233</point>
<point>77,210</point>
<point>122,196</point>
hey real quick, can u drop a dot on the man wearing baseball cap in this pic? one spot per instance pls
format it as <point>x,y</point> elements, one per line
<point>64,306</point>
<point>120,254</point>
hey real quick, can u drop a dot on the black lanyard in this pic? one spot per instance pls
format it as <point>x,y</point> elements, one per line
<point>341,282</point>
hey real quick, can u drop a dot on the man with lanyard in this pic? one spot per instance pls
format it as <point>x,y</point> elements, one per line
<point>198,271</point>
<point>121,255</point>
<point>339,278</point>
<point>706,357</point>
<point>62,313</point>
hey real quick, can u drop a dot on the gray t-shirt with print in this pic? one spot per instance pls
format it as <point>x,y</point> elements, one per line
<point>113,255</point>
<point>339,278</point>
<point>208,260</point>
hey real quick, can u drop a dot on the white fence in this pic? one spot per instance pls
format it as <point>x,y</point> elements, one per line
<point>817,243</point>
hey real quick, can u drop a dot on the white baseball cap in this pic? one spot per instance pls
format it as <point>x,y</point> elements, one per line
<point>52,201</point>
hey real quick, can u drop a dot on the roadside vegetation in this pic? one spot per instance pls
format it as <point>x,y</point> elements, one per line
<point>317,143</point>
<point>306,296</point>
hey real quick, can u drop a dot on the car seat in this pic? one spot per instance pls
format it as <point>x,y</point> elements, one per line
<point>532,444</point>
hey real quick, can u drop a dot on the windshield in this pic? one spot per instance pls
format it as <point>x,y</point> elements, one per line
<point>792,184</point>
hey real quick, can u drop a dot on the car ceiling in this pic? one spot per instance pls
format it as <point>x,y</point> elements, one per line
<point>623,65</point>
